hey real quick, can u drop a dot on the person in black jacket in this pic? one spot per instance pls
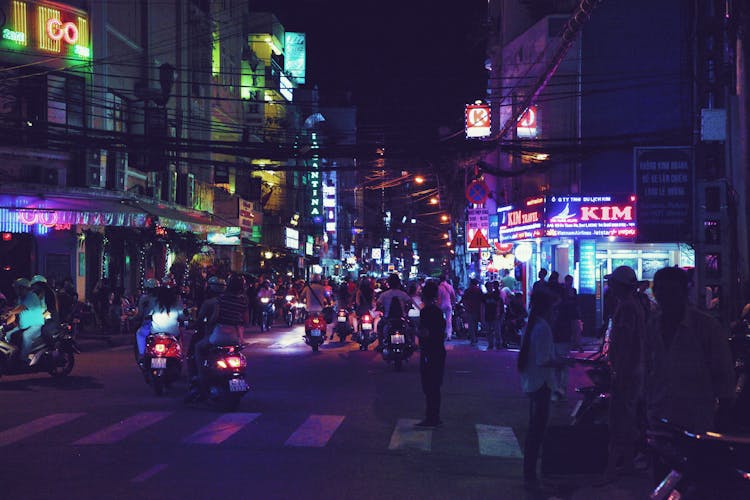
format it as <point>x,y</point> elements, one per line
<point>431,354</point>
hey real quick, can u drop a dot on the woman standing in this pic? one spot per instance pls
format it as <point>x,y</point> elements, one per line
<point>431,353</point>
<point>536,363</point>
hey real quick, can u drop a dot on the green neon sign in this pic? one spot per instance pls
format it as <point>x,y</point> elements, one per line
<point>15,36</point>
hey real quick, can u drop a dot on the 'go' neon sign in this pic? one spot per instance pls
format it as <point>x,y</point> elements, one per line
<point>57,30</point>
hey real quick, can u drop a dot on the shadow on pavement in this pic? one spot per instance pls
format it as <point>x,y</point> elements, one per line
<point>69,383</point>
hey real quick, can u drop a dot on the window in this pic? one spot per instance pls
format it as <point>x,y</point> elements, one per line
<point>65,101</point>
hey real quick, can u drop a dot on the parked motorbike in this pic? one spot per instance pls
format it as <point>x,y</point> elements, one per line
<point>315,331</point>
<point>593,408</point>
<point>162,361</point>
<point>709,465</point>
<point>512,326</point>
<point>224,374</point>
<point>343,326</point>
<point>55,354</point>
<point>397,345</point>
<point>266,313</point>
<point>460,322</point>
<point>365,334</point>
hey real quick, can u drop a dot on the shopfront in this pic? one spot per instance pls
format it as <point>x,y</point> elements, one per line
<point>585,237</point>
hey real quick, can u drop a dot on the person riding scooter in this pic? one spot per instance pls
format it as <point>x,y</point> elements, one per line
<point>143,314</point>
<point>50,308</point>
<point>394,302</point>
<point>206,317</point>
<point>30,317</point>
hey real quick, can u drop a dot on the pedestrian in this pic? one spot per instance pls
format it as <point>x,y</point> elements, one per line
<point>625,357</point>
<point>446,300</point>
<point>431,353</point>
<point>508,280</point>
<point>688,361</point>
<point>472,300</point>
<point>493,314</point>
<point>536,363</point>
<point>541,282</point>
<point>566,319</point>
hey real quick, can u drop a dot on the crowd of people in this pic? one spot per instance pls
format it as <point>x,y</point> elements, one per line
<point>668,361</point>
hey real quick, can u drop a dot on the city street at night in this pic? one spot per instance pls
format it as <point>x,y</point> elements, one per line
<point>333,424</point>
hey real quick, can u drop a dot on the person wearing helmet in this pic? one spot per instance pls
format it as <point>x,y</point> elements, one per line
<point>49,303</point>
<point>266,297</point>
<point>229,319</point>
<point>394,302</point>
<point>206,317</point>
<point>29,314</point>
<point>142,314</point>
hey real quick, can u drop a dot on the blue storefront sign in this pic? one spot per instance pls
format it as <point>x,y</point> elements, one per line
<point>591,216</point>
<point>494,226</point>
<point>587,267</point>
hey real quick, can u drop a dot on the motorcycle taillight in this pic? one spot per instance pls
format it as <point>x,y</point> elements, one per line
<point>366,319</point>
<point>231,362</point>
<point>160,348</point>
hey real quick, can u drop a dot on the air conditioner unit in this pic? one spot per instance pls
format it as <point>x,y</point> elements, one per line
<point>116,161</point>
<point>96,168</point>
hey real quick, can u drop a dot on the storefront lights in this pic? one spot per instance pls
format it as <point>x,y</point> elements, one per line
<point>523,252</point>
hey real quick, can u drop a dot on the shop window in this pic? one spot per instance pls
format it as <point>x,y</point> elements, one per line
<point>712,232</point>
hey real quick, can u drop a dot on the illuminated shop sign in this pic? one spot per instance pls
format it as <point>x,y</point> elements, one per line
<point>578,215</point>
<point>522,223</point>
<point>526,126</point>
<point>295,56</point>
<point>46,27</point>
<point>291,238</point>
<point>286,88</point>
<point>65,219</point>
<point>587,267</point>
<point>478,121</point>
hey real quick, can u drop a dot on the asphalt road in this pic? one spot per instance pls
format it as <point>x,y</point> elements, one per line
<point>333,424</point>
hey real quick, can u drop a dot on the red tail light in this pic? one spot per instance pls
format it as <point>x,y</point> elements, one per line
<point>160,348</point>
<point>231,362</point>
<point>366,318</point>
<point>316,320</point>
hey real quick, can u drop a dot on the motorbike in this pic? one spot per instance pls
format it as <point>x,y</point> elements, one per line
<point>55,354</point>
<point>460,323</point>
<point>290,310</point>
<point>315,331</point>
<point>162,361</point>
<point>266,313</point>
<point>224,374</point>
<point>343,326</point>
<point>740,345</point>
<point>512,326</point>
<point>365,334</point>
<point>709,465</point>
<point>593,408</point>
<point>397,345</point>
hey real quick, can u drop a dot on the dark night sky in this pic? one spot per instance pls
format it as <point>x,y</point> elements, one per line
<point>410,65</point>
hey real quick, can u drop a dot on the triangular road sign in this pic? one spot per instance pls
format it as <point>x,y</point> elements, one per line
<point>479,240</point>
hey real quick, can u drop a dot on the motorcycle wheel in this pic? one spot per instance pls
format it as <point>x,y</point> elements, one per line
<point>230,402</point>
<point>62,370</point>
<point>289,320</point>
<point>315,347</point>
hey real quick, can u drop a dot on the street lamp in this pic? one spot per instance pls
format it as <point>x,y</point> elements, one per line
<point>419,179</point>
<point>433,200</point>
<point>443,218</point>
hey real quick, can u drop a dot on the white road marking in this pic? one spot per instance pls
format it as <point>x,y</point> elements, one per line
<point>124,428</point>
<point>407,436</point>
<point>316,431</point>
<point>28,429</point>
<point>148,474</point>
<point>498,441</point>
<point>221,429</point>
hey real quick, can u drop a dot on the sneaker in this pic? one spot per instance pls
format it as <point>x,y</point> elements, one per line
<point>429,423</point>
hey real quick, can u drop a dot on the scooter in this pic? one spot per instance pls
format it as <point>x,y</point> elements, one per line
<point>365,334</point>
<point>224,373</point>
<point>709,465</point>
<point>593,408</point>
<point>396,344</point>
<point>343,326</point>
<point>162,361</point>
<point>290,310</point>
<point>315,331</point>
<point>54,355</point>
<point>266,313</point>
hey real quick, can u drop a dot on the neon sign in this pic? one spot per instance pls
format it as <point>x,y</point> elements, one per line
<point>57,30</point>
<point>577,215</point>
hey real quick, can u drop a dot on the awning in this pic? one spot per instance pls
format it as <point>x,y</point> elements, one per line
<point>19,213</point>
<point>182,220</point>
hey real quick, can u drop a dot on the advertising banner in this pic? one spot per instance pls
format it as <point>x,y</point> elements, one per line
<point>587,267</point>
<point>664,186</point>
<point>591,216</point>
<point>519,223</point>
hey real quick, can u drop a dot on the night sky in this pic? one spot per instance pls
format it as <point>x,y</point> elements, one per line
<point>410,65</point>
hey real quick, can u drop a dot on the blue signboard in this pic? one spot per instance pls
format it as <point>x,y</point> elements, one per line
<point>587,267</point>
<point>494,229</point>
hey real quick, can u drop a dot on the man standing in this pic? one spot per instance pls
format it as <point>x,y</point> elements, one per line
<point>446,299</point>
<point>472,300</point>
<point>541,282</point>
<point>688,362</point>
<point>431,354</point>
<point>508,280</point>
<point>626,337</point>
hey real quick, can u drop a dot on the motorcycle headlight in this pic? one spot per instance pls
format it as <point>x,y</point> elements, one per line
<point>289,298</point>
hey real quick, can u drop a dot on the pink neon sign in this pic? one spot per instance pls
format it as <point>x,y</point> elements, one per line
<point>57,30</point>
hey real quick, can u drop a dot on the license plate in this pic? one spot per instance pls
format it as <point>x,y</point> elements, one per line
<point>367,326</point>
<point>342,319</point>
<point>397,339</point>
<point>315,333</point>
<point>237,385</point>
<point>158,363</point>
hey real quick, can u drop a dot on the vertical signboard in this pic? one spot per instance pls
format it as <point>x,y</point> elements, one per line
<point>295,56</point>
<point>664,187</point>
<point>587,267</point>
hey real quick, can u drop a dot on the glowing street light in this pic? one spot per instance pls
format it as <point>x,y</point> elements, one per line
<point>433,201</point>
<point>419,179</point>
<point>444,218</point>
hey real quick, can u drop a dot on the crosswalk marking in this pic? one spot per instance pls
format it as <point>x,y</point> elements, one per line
<point>221,429</point>
<point>148,474</point>
<point>23,431</point>
<point>315,431</point>
<point>407,436</point>
<point>123,429</point>
<point>498,441</point>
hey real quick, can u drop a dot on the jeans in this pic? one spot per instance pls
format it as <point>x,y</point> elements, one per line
<point>493,333</point>
<point>473,326</point>
<point>448,313</point>
<point>28,338</point>
<point>538,418</point>
<point>140,337</point>
<point>431,369</point>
